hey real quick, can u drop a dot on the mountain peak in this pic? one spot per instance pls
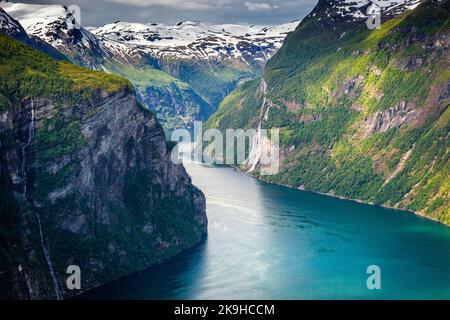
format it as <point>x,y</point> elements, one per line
<point>198,40</point>
<point>356,10</point>
<point>8,25</point>
<point>188,23</point>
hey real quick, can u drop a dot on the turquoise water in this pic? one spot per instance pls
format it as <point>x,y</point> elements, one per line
<point>271,242</point>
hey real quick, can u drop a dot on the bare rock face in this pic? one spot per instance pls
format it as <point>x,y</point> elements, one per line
<point>381,121</point>
<point>89,184</point>
<point>349,87</point>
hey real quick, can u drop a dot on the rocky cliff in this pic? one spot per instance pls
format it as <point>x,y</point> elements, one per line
<point>50,29</point>
<point>86,179</point>
<point>363,113</point>
<point>182,71</point>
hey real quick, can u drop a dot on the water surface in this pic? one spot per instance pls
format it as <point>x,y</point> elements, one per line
<point>271,242</point>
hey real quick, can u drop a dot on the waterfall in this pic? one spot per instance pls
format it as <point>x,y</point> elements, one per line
<point>24,171</point>
<point>48,259</point>
<point>255,153</point>
<point>27,280</point>
<point>30,138</point>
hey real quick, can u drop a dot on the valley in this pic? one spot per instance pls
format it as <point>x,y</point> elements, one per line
<point>354,113</point>
<point>364,117</point>
<point>181,72</point>
<point>85,177</point>
<point>271,242</point>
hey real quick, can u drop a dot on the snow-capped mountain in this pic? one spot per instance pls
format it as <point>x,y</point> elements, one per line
<point>342,16</point>
<point>203,62</point>
<point>50,24</point>
<point>181,71</point>
<point>125,41</point>
<point>14,29</point>
<point>357,10</point>
<point>8,25</point>
<point>199,41</point>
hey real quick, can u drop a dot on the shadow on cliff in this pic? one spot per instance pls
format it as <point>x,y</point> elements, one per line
<point>175,279</point>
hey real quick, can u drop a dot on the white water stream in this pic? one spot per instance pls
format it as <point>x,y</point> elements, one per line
<point>255,153</point>
<point>31,131</point>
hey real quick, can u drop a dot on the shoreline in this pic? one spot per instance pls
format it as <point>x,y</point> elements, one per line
<point>235,168</point>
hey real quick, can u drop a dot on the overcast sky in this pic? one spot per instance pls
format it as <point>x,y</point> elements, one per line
<point>265,12</point>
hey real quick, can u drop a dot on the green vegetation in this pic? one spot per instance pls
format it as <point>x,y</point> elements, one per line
<point>323,90</point>
<point>145,77</point>
<point>4,103</point>
<point>94,80</point>
<point>212,81</point>
<point>27,72</point>
<point>87,216</point>
<point>174,102</point>
<point>48,182</point>
<point>58,137</point>
<point>231,114</point>
<point>168,215</point>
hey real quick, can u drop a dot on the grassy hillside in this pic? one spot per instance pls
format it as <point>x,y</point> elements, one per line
<point>363,114</point>
<point>175,102</point>
<point>27,72</point>
<point>85,179</point>
<point>212,81</point>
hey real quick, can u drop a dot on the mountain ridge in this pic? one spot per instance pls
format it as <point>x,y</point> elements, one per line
<point>86,179</point>
<point>199,41</point>
<point>204,81</point>
<point>362,116</point>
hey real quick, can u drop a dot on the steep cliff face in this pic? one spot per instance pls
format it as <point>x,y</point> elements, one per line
<point>182,71</point>
<point>86,179</point>
<point>212,80</point>
<point>48,30</point>
<point>174,102</point>
<point>186,105</point>
<point>363,114</point>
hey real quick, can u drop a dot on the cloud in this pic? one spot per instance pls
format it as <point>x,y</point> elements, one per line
<point>100,12</point>
<point>260,6</point>
<point>176,4</point>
